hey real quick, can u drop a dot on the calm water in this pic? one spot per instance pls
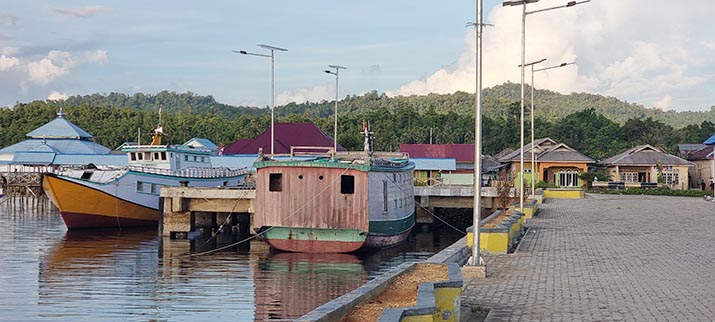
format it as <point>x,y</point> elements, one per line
<point>49,273</point>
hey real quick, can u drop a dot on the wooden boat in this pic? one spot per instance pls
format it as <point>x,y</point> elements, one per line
<point>127,196</point>
<point>335,203</point>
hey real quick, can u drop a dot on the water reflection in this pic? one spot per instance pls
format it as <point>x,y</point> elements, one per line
<point>48,273</point>
<point>289,285</point>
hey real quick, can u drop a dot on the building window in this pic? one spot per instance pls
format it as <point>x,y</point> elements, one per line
<point>275,182</point>
<point>670,178</point>
<point>568,179</point>
<point>384,195</point>
<point>629,177</point>
<point>347,184</point>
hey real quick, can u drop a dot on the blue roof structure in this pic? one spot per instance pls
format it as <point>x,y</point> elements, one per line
<point>59,146</point>
<point>59,128</point>
<point>435,164</point>
<point>35,158</point>
<point>59,142</point>
<point>234,161</point>
<point>710,140</point>
<point>96,159</point>
<point>206,143</point>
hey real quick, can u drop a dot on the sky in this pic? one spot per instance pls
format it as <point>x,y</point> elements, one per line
<point>649,52</point>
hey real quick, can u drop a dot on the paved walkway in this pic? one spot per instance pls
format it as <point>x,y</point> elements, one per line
<point>606,258</point>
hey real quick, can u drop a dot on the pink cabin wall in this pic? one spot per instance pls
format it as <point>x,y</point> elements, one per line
<point>310,201</point>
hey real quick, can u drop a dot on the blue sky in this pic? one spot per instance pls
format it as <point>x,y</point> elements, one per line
<point>626,49</point>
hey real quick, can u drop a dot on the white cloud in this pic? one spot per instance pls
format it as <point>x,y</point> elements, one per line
<point>83,12</point>
<point>56,64</point>
<point>60,63</point>
<point>8,62</point>
<point>315,94</point>
<point>621,48</point>
<point>9,51</point>
<point>99,57</point>
<point>57,96</point>
<point>664,103</point>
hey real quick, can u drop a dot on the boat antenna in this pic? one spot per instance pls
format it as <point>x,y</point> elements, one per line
<point>367,145</point>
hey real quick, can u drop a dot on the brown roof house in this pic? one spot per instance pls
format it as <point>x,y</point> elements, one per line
<point>462,171</point>
<point>556,163</point>
<point>703,156</point>
<point>286,135</point>
<point>648,166</point>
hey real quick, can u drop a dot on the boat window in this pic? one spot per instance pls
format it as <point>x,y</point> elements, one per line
<point>133,156</point>
<point>86,175</point>
<point>394,177</point>
<point>186,158</point>
<point>275,182</point>
<point>347,184</point>
<point>140,186</point>
<point>384,195</point>
<point>163,155</point>
<point>140,156</point>
<point>156,156</point>
<point>155,188</point>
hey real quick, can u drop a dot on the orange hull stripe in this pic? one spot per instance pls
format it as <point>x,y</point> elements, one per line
<point>71,197</point>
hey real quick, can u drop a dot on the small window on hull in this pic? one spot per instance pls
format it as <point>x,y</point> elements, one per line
<point>275,182</point>
<point>347,184</point>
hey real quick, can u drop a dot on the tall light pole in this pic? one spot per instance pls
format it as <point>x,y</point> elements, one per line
<point>273,84</point>
<point>524,13</point>
<point>335,113</point>
<point>476,259</point>
<point>533,158</point>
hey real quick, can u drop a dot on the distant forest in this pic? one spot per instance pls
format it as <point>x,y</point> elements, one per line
<point>593,124</point>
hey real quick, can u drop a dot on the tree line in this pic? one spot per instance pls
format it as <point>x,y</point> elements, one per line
<point>394,121</point>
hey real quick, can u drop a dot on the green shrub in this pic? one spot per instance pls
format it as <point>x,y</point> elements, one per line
<point>658,192</point>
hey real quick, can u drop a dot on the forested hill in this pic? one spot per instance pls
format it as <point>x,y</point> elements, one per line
<point>500,101</point>
<point>577,120</point>
<point>553,106</point>
<point>169,101</point>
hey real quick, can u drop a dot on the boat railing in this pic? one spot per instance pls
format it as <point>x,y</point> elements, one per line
<point>192,172</point>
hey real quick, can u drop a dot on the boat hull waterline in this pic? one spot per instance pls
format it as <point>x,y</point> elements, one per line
<point>86,204</point>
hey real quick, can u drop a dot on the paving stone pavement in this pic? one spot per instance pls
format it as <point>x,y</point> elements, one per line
<point>606,258</point>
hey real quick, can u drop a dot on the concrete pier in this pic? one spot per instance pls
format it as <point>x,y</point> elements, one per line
<point>187,209</point>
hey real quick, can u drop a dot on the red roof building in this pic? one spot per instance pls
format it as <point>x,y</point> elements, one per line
<point>287,135</point>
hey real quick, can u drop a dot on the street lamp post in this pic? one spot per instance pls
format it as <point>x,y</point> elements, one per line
<point>475,260</point>
<point>273,82</point>
<point>533,159</point>
<point>335,113</point>
<point>524,13</point>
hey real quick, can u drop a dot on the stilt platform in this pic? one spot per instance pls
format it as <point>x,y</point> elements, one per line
<point>187,209</point>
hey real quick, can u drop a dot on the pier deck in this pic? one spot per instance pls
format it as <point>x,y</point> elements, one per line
<point>183,209</point>
<point>606,258</point>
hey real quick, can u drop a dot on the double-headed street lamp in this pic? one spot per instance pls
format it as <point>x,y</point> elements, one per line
<point>335,113</point>
<point>273,86</point>
<point>524,13</point>
<point>533,159</point>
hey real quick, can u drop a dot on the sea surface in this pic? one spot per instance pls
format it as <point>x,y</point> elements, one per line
<point>50,274</point>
